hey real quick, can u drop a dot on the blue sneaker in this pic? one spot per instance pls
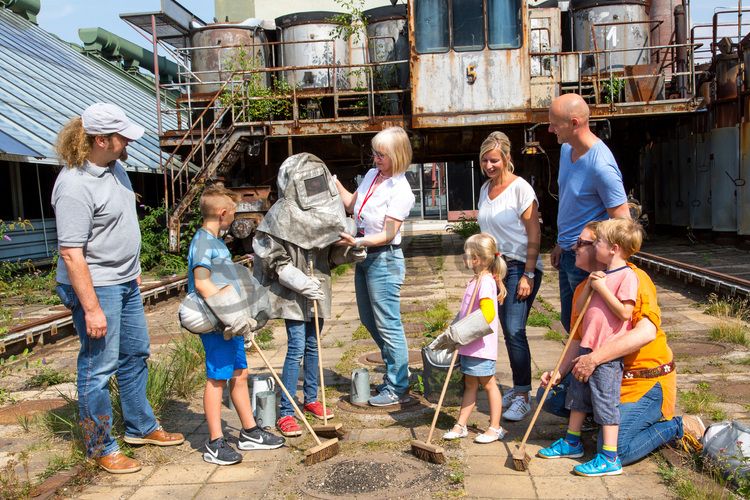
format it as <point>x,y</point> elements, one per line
<point>599,466</point>
<point>386,398</point>
<point>561,449</point>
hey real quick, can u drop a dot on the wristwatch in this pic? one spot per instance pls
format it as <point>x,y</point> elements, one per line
<point>529,274</point>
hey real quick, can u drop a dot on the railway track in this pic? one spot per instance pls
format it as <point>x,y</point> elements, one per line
<point>58,325</point>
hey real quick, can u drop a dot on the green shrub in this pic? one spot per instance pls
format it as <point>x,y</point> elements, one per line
<point>464,227</point>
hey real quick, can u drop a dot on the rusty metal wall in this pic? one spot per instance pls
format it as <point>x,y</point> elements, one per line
<point>743,191</point>
<point>544,36</point>
<point>464,88</point>
<point>682,159</point>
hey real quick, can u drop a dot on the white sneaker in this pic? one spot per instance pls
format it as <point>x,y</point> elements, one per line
<point>494,435</point>
<point>508,398</point>
<point>519,408</point>
<point>453,434</point>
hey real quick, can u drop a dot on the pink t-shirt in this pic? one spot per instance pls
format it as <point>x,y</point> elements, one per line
<point>599,322</point>
<point>486,347</point>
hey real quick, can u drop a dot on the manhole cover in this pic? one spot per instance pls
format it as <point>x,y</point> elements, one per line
<point>696,348</point>
<point>375,475</point>
<point>11,414</point>
<point>414,403</point>
<point>375,358</point>
<point>731,392</point>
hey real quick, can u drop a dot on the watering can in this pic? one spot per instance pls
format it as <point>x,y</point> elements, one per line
<point>261,383</point>
<point>360,393</point>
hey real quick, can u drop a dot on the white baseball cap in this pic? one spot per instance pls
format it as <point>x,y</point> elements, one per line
<point>105,118</point>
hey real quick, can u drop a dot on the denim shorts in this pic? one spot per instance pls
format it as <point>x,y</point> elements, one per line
<point>477,367</point>
<point>601,394</point>
<point>223,357</point>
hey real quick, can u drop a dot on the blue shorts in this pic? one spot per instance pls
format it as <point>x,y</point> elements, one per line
<point>477,367</point>
<point>600,395</point>
<point>223,357</point>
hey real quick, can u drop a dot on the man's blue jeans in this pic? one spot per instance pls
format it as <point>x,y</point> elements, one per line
<point>123,352</point>
<point>301,344</point>
<point>569,277</point>
<point>377,282</point>
<point>513,316</point>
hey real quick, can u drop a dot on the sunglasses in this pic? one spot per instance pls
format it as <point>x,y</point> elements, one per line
<point>584,243</point>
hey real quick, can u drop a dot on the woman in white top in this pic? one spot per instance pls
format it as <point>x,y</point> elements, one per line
<point>509,211</point>
<point>381,203</point>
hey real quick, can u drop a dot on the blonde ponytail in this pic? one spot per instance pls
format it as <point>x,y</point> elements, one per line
<point>73,145</point>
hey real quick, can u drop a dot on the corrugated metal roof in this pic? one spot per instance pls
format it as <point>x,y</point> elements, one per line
<point>44,82</point>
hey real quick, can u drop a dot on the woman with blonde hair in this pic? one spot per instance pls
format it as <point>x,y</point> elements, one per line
<point>509,211</point>
<point>380,204</point>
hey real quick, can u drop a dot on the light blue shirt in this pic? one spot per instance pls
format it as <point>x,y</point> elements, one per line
<point>588,188</point>
<point>204,247</point>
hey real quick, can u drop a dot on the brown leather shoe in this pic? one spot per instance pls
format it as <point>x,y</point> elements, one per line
<point>159,437</point>
<point>118,463</point>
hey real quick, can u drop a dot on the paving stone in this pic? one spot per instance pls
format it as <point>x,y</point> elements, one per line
<point>183,473</point>
<point>490,465</point>
<point>126,479</point>
<point>633,486</point>
<point>244,471</point>
<point>180,491</point>
<point>109,492</point>
<point>390,434</point>
<point>484,486</point>
<point>239,489</point>
<point>570,487</point>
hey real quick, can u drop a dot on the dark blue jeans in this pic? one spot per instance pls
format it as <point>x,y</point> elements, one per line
<point>123,352</point>
<point>513,316</point>
<point>301,344</point>
<point>569,277</point>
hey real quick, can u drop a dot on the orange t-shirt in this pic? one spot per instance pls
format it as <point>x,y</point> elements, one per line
<point>653,354</point>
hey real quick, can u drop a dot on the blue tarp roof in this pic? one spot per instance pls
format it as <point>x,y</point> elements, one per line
<point>44,82</point>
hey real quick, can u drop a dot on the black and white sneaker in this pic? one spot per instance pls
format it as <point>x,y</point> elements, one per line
<point>260,439</point>
<point>220,452</point>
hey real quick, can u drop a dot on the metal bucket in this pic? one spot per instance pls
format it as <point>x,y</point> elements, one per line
<point>265,414</point>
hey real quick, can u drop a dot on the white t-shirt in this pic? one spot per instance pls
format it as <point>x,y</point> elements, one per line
<point>392,198</point>
<point>501,218</point>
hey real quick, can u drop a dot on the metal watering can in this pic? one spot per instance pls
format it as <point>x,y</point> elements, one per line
<point>261,383</point>
<point>265,415</point>
<point>360,392</point>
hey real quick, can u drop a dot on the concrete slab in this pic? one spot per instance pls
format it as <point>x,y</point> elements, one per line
<point>180,491</point>
<point>484,486</point>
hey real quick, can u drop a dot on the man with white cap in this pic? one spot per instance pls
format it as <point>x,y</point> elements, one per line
<point>98,274</point>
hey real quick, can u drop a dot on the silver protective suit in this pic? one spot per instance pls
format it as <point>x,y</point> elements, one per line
<point>301,227</point>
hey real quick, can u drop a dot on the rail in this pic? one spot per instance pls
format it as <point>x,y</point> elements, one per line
<point>720,282</point>
<point>58,325</point>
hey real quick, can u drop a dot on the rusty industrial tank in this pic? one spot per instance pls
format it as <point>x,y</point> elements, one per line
<point>219,49</point>
<point>610,25</point>
<point>308,41</point>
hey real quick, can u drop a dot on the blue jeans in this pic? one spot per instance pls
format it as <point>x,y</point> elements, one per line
<point>377,282</point>
<point>570,277</point>
<point>642,429</point>
<point>123,352</point>
<point>513,316</point>
<point>301,343</point>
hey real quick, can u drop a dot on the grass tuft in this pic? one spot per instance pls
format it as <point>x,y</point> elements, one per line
<point>731,334</point>
<point>554,335</point>
<point>360,333</point>
<point>537,318</point>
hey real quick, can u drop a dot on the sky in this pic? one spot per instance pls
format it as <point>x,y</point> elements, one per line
<point>65,17</point>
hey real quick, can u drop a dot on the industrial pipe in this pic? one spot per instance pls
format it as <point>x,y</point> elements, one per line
<point>114,46</point>
<point>28,9</point>
<point>680,35</point>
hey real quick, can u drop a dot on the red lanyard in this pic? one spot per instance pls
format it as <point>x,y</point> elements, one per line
<point>368,195</point>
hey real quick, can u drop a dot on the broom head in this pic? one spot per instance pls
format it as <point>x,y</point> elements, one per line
<point>428,452</point>
<point>321,452</point>
<point>521,459</point>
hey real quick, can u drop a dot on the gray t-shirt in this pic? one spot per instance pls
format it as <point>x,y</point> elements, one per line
<point>95,210</point>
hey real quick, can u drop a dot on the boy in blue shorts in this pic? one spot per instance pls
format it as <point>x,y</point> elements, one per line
<point>225,351</point>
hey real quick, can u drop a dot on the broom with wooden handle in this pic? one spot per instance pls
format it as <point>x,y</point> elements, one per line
<point>424,450</point>
<point>521,459</point>
<point>333,430</point>
<point>322,450</point>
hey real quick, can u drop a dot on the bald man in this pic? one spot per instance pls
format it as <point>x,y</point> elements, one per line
<point>590,186</point>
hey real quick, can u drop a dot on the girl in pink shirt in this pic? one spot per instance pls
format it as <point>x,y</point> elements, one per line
<point>478,358</point>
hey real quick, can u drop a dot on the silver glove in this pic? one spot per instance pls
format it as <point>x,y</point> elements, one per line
<point>296,280</point>
<point>229,308</point>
